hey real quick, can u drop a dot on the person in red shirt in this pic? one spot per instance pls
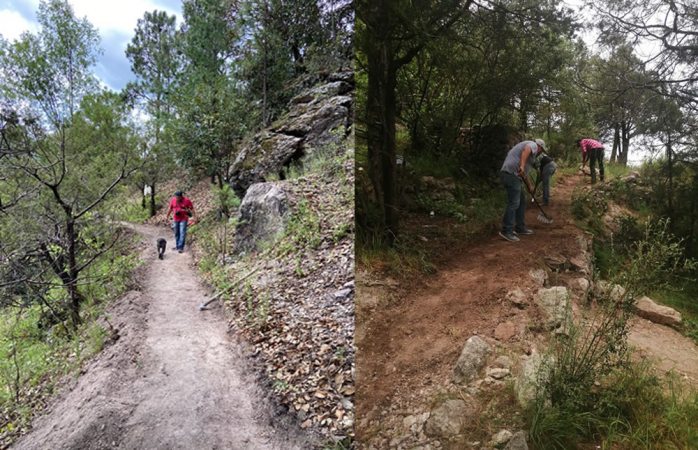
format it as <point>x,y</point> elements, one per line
<point>183,209</point>
<point>592,151</point>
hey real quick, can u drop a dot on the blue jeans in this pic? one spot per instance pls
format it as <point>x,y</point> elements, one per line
<point>516,203</point>
<point>180,232</point>
<point>547,174</point>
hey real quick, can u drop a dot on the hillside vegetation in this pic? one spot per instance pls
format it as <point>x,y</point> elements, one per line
<point>74,154</point>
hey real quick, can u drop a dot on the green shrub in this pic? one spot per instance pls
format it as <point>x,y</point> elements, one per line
<point>591,392</point>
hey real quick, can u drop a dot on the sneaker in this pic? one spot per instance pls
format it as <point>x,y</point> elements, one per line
<point>524,232</point>
<point>509,236</point>
<point>180,250</point>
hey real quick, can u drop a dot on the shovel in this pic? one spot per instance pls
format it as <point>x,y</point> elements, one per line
<point>542,217</point>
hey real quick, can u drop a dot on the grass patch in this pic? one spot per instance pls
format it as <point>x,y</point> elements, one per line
<point>629,408</point>
<point>34,355</point>
<point>327,160</point>
<point>407,258</point>
<point>302,231</point>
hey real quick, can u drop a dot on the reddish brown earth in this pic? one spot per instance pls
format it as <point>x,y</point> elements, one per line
<point>410,333</point>
<point>413,342</point>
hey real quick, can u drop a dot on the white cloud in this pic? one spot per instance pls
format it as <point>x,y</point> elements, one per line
<point>115,16</point>
<point>109,17</point>
<point>114,20</point>
<point>12,24</point>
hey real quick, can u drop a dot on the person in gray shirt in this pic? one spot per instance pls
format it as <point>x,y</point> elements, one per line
<point>514,171</point>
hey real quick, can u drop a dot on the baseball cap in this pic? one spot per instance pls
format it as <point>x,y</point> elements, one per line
<point>178,194</point>
<point>540,143</point>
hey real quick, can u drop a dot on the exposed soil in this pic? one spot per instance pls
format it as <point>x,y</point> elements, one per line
<point>410,334</point>
<point>174,378</point>
<point>668,349</point>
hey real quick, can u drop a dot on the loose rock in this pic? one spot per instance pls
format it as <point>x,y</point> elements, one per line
<point>554,302</point>
<point>447,419</point>
<point>517,442</point>
<point>645,307</point>
<point>500,439</point>
<point>471,360</point>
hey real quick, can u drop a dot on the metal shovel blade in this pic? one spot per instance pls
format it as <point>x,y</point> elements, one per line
<point>544,219</point>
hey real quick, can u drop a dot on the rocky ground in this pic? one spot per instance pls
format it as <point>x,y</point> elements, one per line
<point>297,309</point>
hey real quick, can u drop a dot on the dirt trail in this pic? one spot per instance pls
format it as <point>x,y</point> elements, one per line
<point>668,349</point>
<point>407,346</point>
<point>173,380</point>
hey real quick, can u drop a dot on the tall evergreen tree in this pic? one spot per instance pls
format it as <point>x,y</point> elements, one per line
<point>155,60</point>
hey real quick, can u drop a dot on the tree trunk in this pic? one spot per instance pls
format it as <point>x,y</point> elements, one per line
<point>75,298</point>
<point>380,129</point>
<point>670,169</point>
<point>616,142</point>
<point>152,200</point>
<point>625,144</point>
<point>690,243</point>
<point>414,127</point>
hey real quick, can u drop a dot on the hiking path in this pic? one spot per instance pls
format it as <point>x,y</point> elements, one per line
<point>173,378</point>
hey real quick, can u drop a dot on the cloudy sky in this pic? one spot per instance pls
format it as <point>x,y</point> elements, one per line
<point>115,21</point>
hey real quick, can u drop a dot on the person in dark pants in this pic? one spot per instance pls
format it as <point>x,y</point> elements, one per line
<point>514,172</point>
<point>592,151</point>
<point>546,169</point>
<point>183,209</point>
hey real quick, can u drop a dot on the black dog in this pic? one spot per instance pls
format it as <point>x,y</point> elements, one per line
<point>162,243</point>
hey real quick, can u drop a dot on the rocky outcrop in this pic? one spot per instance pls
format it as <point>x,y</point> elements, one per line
<point>645,307</point>
<point>262,216</point>
<point>472,359</point>
<point>316,118</point>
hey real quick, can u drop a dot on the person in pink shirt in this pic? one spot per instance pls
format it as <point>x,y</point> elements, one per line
<point>183,209</point>
<point>592,151</point>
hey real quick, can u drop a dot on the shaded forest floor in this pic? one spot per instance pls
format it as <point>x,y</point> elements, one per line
<point>172,376</point>
<point>410,332</point>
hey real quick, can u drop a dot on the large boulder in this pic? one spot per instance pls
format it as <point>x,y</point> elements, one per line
<point>472,359</point>
<point>267,153</point>
<point>263,214</point>
<point>316,122</point>
<point>645,307</point>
